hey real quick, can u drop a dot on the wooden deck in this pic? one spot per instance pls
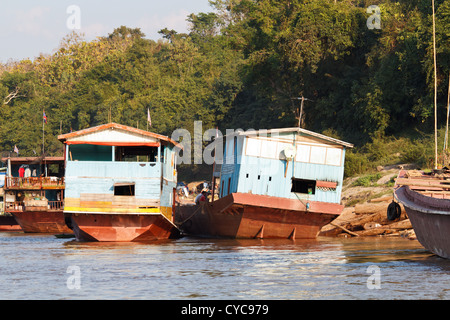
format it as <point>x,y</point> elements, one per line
<point>436,186</point>
<point>21,206</point>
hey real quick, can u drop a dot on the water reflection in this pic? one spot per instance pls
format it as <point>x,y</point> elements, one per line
<point>379,250</point>
<point>191,268</point>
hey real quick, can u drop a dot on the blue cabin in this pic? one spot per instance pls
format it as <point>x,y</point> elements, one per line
<point>114,168</point>
<point>290,163</point>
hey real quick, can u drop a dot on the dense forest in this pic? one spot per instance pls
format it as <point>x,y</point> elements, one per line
<point>244,65</point>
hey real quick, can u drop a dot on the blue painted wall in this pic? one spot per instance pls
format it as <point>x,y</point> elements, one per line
<point>100,176</point>
<point>265,176</point>
<point>169,180</point>
<point>153,180</point>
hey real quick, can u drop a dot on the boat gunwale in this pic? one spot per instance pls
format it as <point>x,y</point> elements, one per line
<point>405,200</point>
<point>77,213</point>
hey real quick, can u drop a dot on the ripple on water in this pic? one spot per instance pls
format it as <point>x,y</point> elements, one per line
<point>188,268</point>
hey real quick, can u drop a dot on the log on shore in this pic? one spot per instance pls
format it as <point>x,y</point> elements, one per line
<point>368,219</point>
<point>369,208</point>
<point>386,229</point>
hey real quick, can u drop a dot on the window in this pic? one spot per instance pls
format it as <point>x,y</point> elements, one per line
<point>334,156</point>
<point>124,189</point>
<point>136,154</point>
<point>307,152</point>
<point>88,152</point>
<point>303,186</point>
<point>303,153</point>
<point>269,149</point>
<point>253,147</point>
<point>318,155</point>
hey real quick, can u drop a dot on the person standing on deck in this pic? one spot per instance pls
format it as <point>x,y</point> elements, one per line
<point>27,172</point>
<point>201,197</point>
<point>21,171</point>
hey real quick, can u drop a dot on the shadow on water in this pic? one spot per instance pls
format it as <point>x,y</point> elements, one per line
<point>355,250</point>
<point>352,250</point>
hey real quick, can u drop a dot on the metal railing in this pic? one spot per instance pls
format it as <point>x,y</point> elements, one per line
<point>21,206</point>
<point>34,182</point>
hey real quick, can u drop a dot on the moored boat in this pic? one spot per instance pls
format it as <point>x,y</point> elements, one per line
<point>426,198</point>
<point>120,184</point>
<point>279,183</point>
<point>34,193</point>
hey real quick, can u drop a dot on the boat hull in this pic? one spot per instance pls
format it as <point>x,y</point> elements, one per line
<point>240,215</point>
<point>430,218</point>
<point>115,227</point>
<point>8,223</point>
<point>41,221</point>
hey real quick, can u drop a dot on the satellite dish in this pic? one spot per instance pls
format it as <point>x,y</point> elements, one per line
<point>289,152</point>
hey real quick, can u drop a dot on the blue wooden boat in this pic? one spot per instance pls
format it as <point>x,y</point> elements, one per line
<point>120,184</point>
<point>279,183</point>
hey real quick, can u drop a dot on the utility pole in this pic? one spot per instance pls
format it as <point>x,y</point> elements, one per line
<point>300,113</point>
<point>435,89</point>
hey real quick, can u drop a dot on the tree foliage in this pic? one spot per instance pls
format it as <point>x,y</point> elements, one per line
<point>242,65</point>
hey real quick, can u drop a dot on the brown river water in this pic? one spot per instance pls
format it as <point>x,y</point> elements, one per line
<point>44,267</point>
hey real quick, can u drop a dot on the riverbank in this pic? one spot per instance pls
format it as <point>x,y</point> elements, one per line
<point>366,199</point>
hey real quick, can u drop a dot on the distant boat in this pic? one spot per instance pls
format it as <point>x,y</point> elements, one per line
<point>120,184</point>
<point>426,198</point>
<point>35,199</point>
<point>279,183</point>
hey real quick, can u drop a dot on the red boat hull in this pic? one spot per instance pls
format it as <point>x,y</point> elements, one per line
<point>8,223</point>
<point>240,215</point>
<point>121,227</point>
<point>41,221</point>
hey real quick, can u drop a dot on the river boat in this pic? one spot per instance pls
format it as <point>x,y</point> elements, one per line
<point>279,183</point>
<point>426,199</point>
<point>120,184</point>
<point>34,193</point>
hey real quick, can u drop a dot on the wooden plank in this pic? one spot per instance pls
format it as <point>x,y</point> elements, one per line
<point>424,183</point>
<point>72,202</point>
<point>96,197</point>
<point>106,204</point>
<point>344,229</point>
<point>443,192</point>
